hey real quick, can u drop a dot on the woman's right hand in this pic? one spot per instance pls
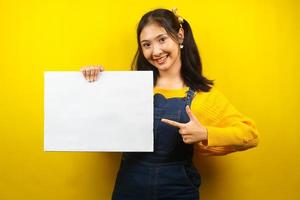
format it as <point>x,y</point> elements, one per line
<point>91,73</point>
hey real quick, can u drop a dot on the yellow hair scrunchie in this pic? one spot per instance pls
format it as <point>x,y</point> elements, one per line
<point>180,19</point>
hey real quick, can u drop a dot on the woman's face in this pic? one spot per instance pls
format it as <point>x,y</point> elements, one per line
<point>159,48</point>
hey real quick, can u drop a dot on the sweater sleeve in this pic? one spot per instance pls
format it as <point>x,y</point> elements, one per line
<point>228,130</point>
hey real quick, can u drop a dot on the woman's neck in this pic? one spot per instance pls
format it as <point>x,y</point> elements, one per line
<point>170,81</point>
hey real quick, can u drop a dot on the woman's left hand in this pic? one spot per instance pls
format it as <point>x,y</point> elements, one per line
<point>191,132</point>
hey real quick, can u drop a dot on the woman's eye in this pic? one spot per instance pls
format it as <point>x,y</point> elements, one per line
<point>162,39</point>
<point>146,45</point>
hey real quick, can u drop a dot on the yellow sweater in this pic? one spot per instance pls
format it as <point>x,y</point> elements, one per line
<point>228,130</point>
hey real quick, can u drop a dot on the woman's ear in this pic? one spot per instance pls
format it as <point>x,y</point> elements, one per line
<point>180,35</point>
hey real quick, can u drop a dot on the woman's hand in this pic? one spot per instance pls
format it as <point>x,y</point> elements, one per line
<point>191,132</point>
<point>91,73</point>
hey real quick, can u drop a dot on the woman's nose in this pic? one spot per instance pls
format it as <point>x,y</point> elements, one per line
<point>156,50</point>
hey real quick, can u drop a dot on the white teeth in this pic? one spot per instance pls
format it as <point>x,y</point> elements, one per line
<point>161,60</point>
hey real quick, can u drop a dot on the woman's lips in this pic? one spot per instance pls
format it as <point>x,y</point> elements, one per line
<point>161,60</point>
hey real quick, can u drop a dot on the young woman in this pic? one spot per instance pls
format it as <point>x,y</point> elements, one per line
<point>189,114</point>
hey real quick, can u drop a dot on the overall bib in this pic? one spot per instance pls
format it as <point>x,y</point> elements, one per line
<point>167,173</point>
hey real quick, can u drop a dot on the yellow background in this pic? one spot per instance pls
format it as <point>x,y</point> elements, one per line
<point>249,47</point>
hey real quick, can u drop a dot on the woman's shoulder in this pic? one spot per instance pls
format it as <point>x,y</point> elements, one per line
<point>209,102</point>
<point>209,107</point>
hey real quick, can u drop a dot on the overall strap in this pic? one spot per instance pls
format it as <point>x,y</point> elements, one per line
<point>189,97</point>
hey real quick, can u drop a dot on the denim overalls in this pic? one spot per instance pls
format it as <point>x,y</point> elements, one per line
<point>168,172</point>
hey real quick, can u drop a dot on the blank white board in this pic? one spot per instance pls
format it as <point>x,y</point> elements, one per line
<point>112,114</point>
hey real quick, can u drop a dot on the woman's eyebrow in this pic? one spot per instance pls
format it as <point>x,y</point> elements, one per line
<point>162,34</point>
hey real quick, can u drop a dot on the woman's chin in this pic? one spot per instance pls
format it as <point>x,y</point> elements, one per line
<point>162,67</point>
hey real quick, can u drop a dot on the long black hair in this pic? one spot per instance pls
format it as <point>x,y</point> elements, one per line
<point>191,67</point>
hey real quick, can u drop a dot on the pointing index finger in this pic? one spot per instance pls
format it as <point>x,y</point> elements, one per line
<point>172,123</point>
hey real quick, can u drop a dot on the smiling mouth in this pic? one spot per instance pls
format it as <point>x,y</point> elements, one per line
<point>161,60</point>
